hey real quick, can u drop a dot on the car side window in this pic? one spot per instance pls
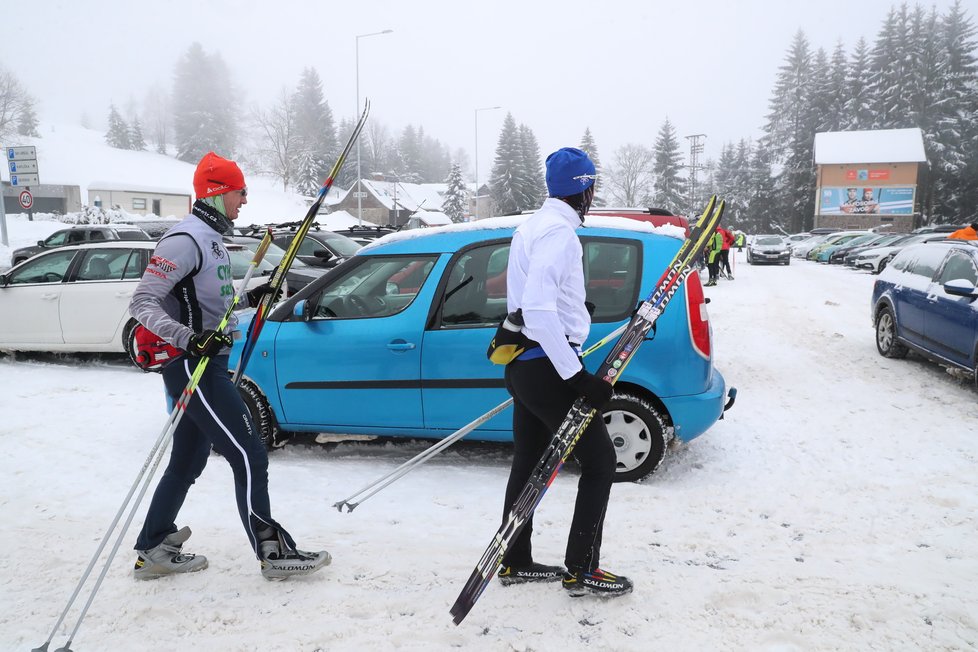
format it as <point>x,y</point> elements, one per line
<point>475,292</point>
<point>102,264</point>
<point>50,268</point>
<point>76,236</point>
<point>56,239</point>
<point>379,286</point>
<point>926,261</point>
<point>959,266</point>
<point>136,264</point>
<point>611,277</point>
<point>96,235</point>
<point>309,246</point>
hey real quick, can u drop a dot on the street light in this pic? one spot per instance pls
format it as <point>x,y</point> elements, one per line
<point>485,108</point>
<point>359,186</point>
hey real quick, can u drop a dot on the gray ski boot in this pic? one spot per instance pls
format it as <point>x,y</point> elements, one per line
<point>167,558</point>
<point>278,562</point>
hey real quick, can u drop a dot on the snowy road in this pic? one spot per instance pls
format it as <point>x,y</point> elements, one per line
<point>836,507</point>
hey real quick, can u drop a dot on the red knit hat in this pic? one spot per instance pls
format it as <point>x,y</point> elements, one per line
<point>216,176</point>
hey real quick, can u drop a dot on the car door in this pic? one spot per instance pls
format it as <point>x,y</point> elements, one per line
<point>911,294</point>
<point>458,382</point>
<point>29,301</point>
<point>356,362</point>
<point>952,321</point>
<point>94,304</point>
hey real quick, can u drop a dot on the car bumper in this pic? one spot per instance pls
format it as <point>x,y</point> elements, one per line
<point>698,412</point>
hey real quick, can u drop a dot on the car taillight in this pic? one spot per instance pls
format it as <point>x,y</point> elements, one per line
<point>699,319</point>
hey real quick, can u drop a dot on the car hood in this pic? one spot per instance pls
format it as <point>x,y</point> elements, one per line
<point>879,251</point>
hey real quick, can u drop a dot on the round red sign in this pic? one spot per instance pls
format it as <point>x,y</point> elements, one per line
<point>26,199</point>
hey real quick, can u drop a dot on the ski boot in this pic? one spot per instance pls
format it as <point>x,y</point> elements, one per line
<point>167,558</point>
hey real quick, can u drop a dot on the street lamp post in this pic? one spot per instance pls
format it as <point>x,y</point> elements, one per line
<point>485,108</point>
<point>359,185</point>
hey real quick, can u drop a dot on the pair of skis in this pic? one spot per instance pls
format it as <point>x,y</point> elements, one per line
<point>581,413</point>
<point>278,277</point>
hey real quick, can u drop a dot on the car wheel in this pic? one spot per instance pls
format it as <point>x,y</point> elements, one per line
<point>638,432</point>
<point>262,416</point>
<point>787,262</point>
<point>886,335</point>
<point>129,343</point>
<point>881,266</point>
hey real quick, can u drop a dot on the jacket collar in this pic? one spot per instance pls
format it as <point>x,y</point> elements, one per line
<point>564,210</point>
<point>211,217</point>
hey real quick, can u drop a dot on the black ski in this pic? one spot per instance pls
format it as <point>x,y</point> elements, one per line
<point>580,414</point>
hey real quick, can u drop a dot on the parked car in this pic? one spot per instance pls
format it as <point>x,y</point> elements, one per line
<point>796,238</point>
<point>320,247</point>
<point>832,239</point>
<point>801,249</point>
<point>876,259</point>
<point>823,252</point>
<point>76,298</point>
<point>925,301</point>
<point>768,249</point>
<point>299,275</point>
<point>839,255</point>
<point>392,342</point>
<point>78,235</point>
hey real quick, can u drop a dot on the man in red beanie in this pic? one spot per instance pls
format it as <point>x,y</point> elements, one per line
<point>182,297</point>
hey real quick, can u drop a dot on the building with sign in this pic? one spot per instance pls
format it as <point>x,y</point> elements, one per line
<point>868,179</point>
<point>48,198</point>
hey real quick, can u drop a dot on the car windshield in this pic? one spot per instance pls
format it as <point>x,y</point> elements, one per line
<point>342,244</point>
<point>768,240</point>
<point>132,234</point>
<point>240,260</point>
<point>273,254</point>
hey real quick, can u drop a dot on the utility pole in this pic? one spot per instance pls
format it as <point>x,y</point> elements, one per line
<point>695,149</point>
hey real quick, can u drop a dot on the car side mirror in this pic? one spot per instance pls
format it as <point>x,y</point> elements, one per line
<point>40,243</point>
<point>960,287</point>
<point>300,310</point>
<point>322,253</point>
<point>4,280</point>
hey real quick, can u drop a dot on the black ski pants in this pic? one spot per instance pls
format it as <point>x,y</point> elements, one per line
<point>541,400</point>
<point>216,416</point>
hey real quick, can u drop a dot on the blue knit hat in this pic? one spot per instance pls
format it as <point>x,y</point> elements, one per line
<point>569,172</point>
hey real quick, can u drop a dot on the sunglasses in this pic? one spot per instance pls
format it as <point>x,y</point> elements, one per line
<point>244,192</point>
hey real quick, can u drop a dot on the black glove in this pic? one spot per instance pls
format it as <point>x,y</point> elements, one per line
<point>208,343</point>
<point>595,390</point>
<point>256,295</point>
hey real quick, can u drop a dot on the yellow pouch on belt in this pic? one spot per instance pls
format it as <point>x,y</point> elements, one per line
<point>509,342</point>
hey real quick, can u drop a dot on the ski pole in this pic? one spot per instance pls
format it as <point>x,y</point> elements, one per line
<point>431,451</point>
<point>151,464</point>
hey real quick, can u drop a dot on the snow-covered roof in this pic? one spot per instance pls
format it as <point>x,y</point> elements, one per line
<point>410,196</point>
<point>878,146</point>
<point>136,187</point>
<point>432,218</point>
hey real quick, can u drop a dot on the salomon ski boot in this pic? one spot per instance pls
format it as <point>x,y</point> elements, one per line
<point>532,572</point>
<point>596,582</point>
<point>279,562</point>
<point>167,558</point>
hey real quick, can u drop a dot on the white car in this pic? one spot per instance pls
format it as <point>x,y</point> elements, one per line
<point>76,298</point>
<point>876,259</point>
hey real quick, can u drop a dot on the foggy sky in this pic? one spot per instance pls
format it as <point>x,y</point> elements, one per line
<point>617,67</point>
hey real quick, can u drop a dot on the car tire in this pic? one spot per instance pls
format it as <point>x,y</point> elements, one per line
<point>262,416</point>
<point>787,262</point>
<point>638,432</point>
<point>886,335</point>
<point>881,266</point>
<point>129,343</point>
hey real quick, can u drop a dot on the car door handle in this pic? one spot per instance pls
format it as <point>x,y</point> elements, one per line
<point>49,297</point>
<point>400,345</point>
<point>122,295</point>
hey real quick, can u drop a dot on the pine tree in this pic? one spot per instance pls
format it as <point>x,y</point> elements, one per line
<point>409,149</point>
<point>456,196</point>
<point>27,122</point>
<point>504,181</point>
<point>534,188</point>
<point>858,103</point>
<point>591,148</point>
<point>316,143</point>
<point>204,117</point>
<point>668,185</point>
<point>762,213</point>
<point>118,134</point>
<point>136,140</point>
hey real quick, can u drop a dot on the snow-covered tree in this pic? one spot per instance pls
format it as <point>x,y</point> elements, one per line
<point>505,182</point>
<point>589,146</point>
<point>204,114</point>
<point>136,140</point>
<point>277,152</point>
<point>668,185</point>
<point>118,134</point>
<point>315,133</point>
<point>858,103</point>
<point>534,186</point>
<point>27,122</point>
<point>456,197</point>
<point>13,96</point>
<point>630,175</point>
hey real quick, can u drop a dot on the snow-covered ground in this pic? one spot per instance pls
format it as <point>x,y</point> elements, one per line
<point>834,508</point>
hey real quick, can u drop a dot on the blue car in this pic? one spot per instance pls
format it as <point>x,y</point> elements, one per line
<point>392,343</point>
<point>925,300</point>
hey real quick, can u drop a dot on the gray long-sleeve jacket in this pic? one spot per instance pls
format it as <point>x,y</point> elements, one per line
<point>187,286</point>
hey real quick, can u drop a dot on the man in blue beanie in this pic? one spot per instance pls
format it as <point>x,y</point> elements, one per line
<point>545,282</point>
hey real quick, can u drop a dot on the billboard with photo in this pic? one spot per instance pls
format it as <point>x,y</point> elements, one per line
<point>883,200</point>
